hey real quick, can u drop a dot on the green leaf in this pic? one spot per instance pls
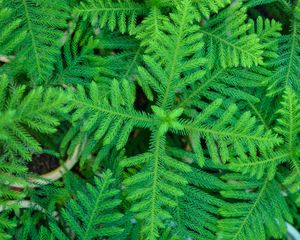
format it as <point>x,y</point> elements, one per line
<point>98,202</point>
<point>227,42</point>
<point>257,214</point>
<point>111,14</point>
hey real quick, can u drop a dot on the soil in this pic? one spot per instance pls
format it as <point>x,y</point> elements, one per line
<point>43,163</point>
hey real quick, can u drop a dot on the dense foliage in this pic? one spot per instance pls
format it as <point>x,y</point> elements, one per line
<point>185,116</point>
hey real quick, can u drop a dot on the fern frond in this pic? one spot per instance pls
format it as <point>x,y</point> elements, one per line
<point>110,120</point>
<point>289,122</point>
<point>76,63</point>
<point>114,14</point>
<point>116,113</point>
<point>263,110</point>
<point>227,133</point>
<point>98,203</point>
<point>156,186</point>
<point>287,66</point>
<point>227,42</point>
<point>267,162</point>
<point>259,166</point>
<point>36,110</point>
<point>148,32</point>
<point>289,127</point>
<point>122,59</point>
<point>21,115</point>
<point>197,214</point>
<point>176,49</point>
<point>10,34</point>
<point>268,32</point>
<point>258,214</point>
<point>237,83</point>
<point>180,99</point>
<point>40,47</point>
<point>224,83</point>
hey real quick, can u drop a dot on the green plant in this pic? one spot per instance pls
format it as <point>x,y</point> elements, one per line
<point>188,110</point>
